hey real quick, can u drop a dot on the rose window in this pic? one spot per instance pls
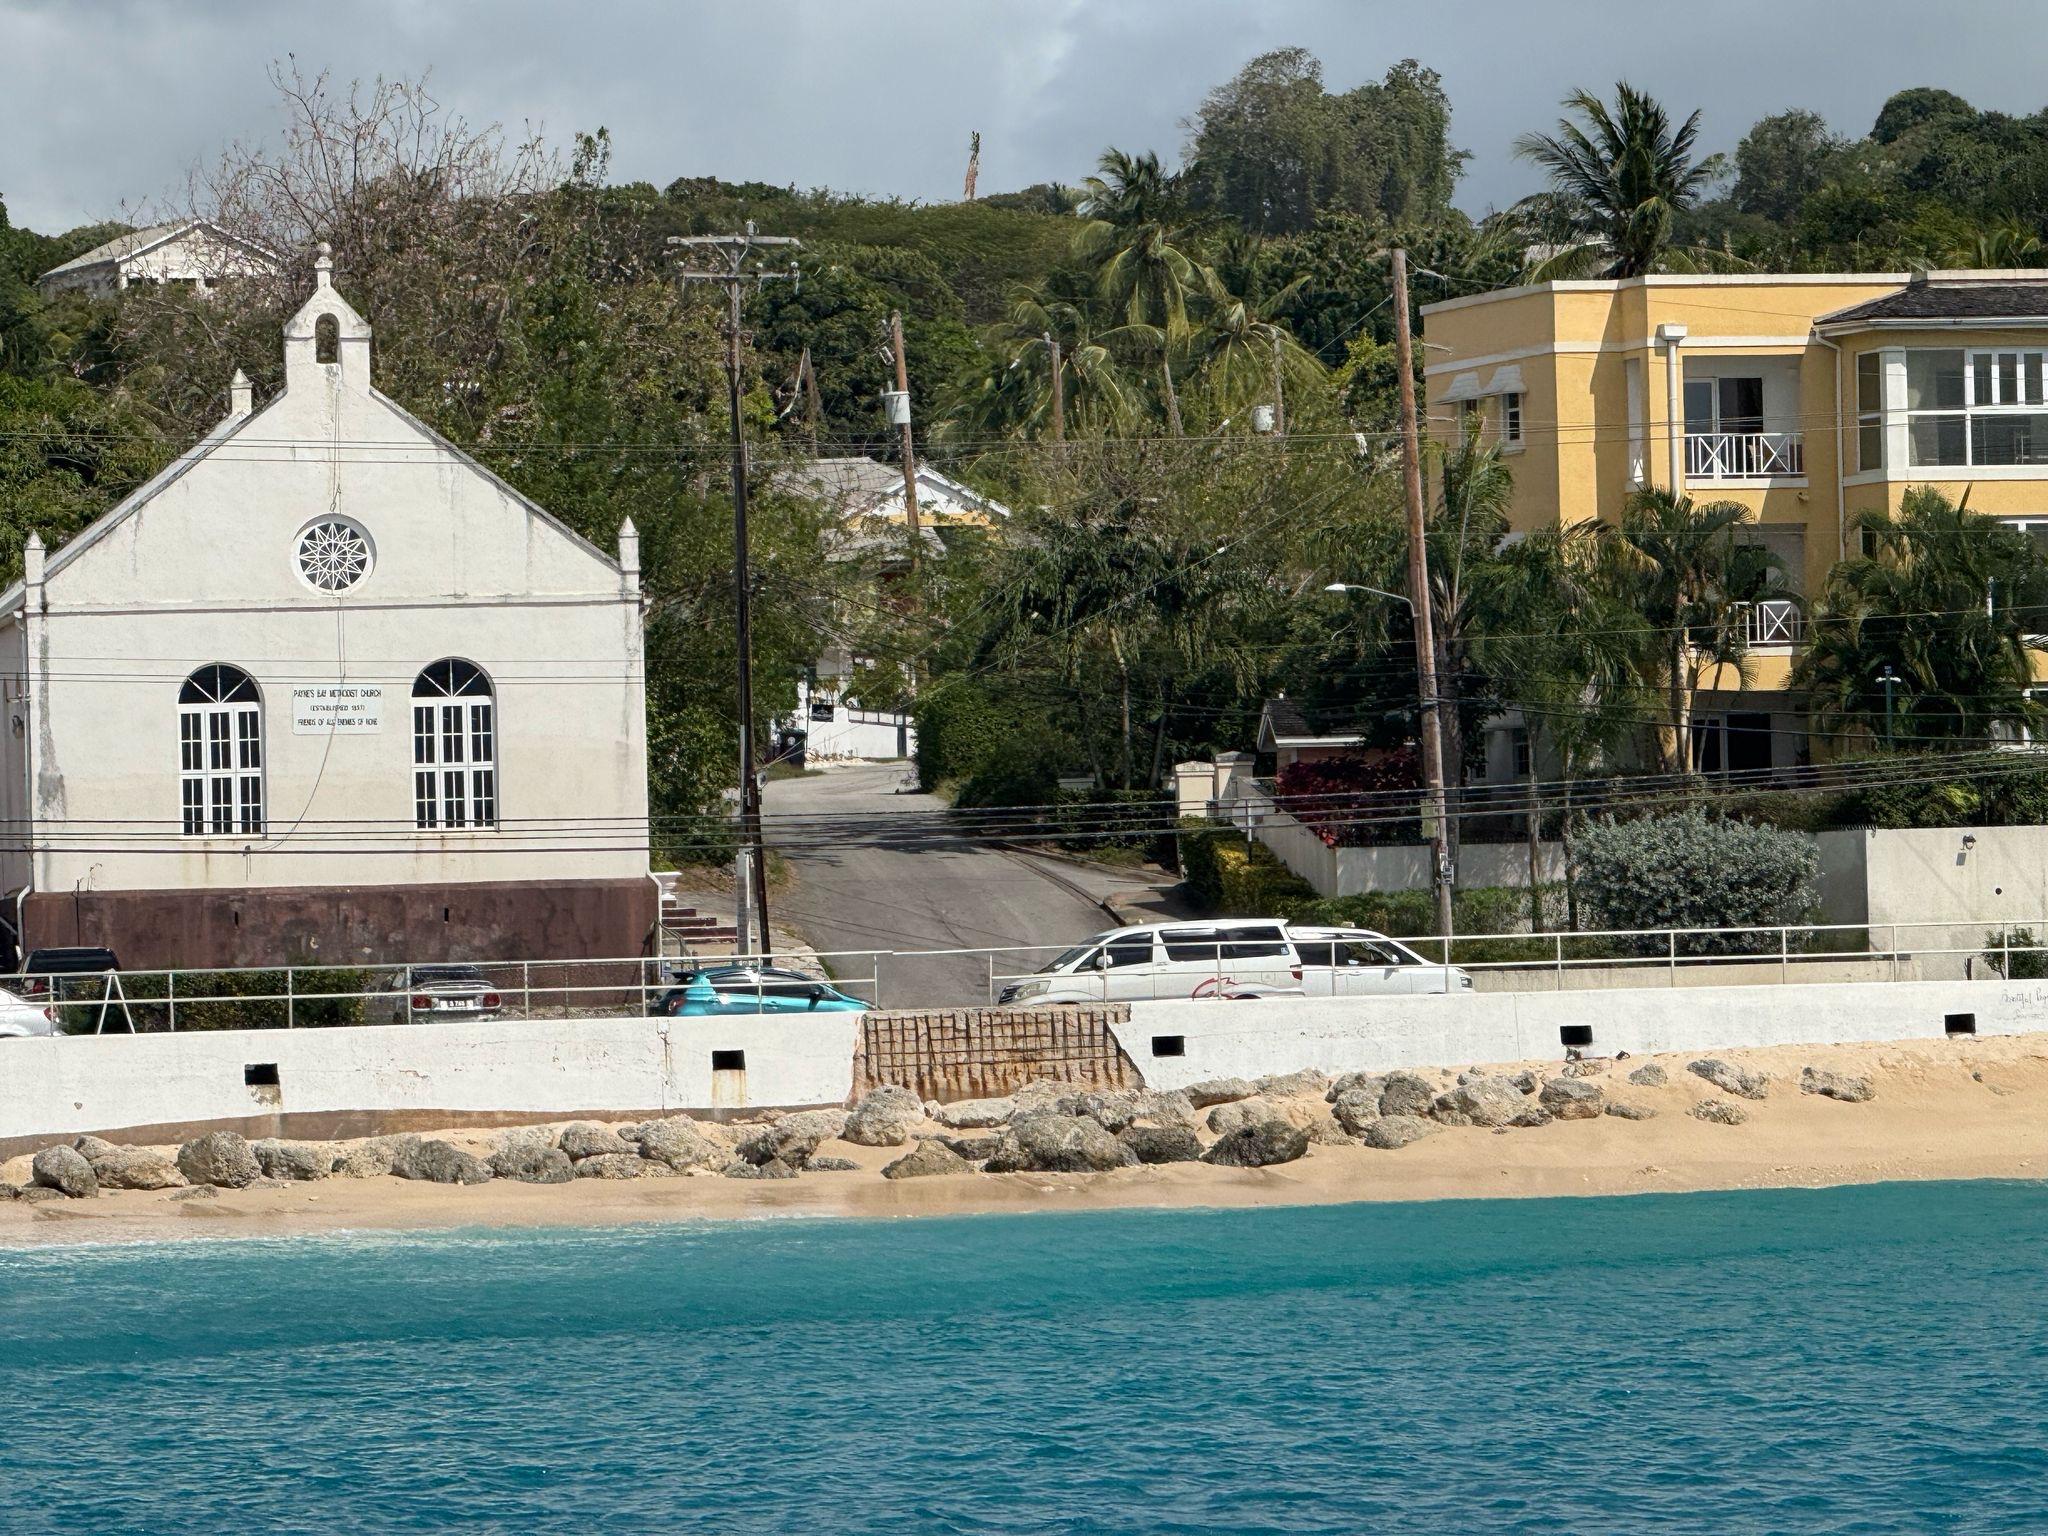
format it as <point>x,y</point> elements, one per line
<point>334,555</point>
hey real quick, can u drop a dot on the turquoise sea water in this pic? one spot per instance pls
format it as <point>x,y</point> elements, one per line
<point>1867,1360</point>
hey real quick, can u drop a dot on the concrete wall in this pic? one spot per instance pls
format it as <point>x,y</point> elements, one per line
<point>1255,1039</point>
<point>391,1077</point>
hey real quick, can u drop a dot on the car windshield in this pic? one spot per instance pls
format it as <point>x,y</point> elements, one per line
<point>1072,955</point>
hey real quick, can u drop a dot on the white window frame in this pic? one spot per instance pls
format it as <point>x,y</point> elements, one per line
<point>220,753</point>
<point>454,748</point>
<point>2029,368</point>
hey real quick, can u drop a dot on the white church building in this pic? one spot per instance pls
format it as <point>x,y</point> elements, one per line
<point>326,691</point>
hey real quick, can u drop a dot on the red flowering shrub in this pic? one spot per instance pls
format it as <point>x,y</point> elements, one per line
<point>1354,801</point>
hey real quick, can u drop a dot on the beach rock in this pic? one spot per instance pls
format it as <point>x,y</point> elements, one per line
<point>1356,1108</point>
<point>1047,1142</point>
<point>197,1192</point>
<point>528,1160</point>
<point>885,1118</point>
<point>792,1139</point>
<point>928,1159</point>
<point>1407,1095</point>
<point>436,1162</point>
<point>681,1144</point>
<point>65,1170</point>
<point>219,1157</point>
<point>134,1168</point>
<point>1719,1112</point>
<point>774,1168</point>
<point>1622,1110</point>
<point>1307,1083</point>
<point>615,1165</point>
<point>1649,1075</point>
<point>974,1114</point>
<point>1533,1116</point>
<point>1161,1143</point>
<point>1261,1144</point>
<point>1571,1098</point>
<point>976,1149</point>
<point>1170,1107</point>
<point>1836,1085</point>
<point>1370,1083</point>
<point>1111,1110</point>
<point>1225,1118</point>
<point>587,1139</point>
<point>1391,1132</point>
<point>1728,1077</point>
<point>295,1160</point>
<point>831,1165</point>
<point>1480,1100</point>
<point>1219,1090</point>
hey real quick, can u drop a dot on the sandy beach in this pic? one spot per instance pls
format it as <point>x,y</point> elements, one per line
<point>1957,1109</point>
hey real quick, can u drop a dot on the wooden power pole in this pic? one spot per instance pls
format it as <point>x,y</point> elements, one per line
<point>1436,813</point>
<point>734,266</point>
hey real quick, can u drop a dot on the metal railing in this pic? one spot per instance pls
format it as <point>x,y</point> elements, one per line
<point>1743,455</point>
<point>1211,966</point>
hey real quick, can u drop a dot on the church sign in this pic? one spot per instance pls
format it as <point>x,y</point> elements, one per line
<point>345,709</point>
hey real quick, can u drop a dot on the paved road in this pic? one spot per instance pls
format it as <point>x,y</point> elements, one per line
<point>927,888</point>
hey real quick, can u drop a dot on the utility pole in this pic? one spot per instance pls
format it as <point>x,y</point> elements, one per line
<point>1059,390</point>
<point>734,266</point>
<point>1436,814</point>
<point>909,446</point>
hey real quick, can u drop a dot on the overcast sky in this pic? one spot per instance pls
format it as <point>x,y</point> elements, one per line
<point>104,103</point>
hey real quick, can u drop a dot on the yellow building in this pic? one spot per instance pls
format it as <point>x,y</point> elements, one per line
<point>1805,398</point>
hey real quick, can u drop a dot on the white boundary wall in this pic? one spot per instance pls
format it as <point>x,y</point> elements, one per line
<point>545,1068</point>
<point>1376,1035</point>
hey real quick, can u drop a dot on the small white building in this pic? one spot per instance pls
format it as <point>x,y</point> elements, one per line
<point>190,253</point>
<point>326,689</point>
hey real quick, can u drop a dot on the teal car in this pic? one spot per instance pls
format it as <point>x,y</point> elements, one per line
<point>730,989</point>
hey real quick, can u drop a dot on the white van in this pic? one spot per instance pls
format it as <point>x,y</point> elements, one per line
<point>1233,958</point>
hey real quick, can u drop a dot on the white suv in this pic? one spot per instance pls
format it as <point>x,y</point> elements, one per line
<point>1232,958</point>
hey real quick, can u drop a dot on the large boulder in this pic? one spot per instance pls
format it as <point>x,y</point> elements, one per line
<point>975,1114</point>
<point>1836,1085</point>
<point>1391,1132</point>
<point>65,1170</point>
<point>132,1168</point>
<point>681,1144</point>
<point>1219,1090</point>
<point>1161,1143</point>
<point>791,1139</point>
<point>1649,1075</point>
<point>885,1118</point>
<point>1048,1142</point>
<point>1571,1098</point>
<point>436,1162</point>
<point>221,1158</point>
<point>294,1160</point>
<point>531,1161</point>
<point>1406,1094</point>
<point>925,1160</point>
<point>587,1139</point>
<point>1728,1077</point>
<point>1259,1145</point>
<point>1480,1100</point>
<point>1719,1112</point>
<point>1111,1109</point>
<point>1357,1108</point>
<point>616,1165</point>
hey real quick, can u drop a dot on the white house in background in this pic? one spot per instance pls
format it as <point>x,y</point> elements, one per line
<point>871,506</point>
<point>190,253</point>
<point>326,689</point>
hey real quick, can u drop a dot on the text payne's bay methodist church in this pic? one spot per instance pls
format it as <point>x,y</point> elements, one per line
<point>326,690</point>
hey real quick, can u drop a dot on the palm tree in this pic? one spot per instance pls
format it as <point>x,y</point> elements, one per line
<point>1690,579</point>
<point>1623,175</point>
<point>1943,599</point>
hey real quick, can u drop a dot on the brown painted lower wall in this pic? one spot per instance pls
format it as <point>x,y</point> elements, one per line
<point>350,925</point>
<point>976,1053</point>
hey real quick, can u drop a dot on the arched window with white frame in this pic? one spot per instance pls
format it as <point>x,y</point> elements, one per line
<point>220,753</point>
<point>454,747</point>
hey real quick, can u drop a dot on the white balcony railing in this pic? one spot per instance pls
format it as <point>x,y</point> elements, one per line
<point>1776,622</point>
<point>1743,455</point>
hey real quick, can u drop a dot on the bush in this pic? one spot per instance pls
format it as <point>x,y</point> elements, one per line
<point>1692,871</point>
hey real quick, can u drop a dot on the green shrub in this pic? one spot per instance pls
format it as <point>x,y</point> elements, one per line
<point>1693,871</point>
